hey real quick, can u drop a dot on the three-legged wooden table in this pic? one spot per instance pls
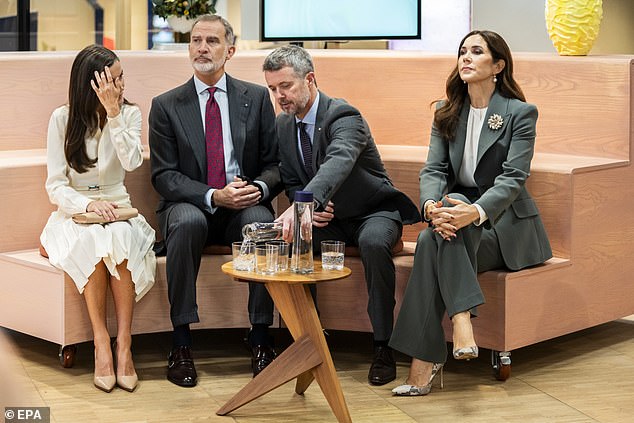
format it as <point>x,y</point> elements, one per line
<point>307,358</point>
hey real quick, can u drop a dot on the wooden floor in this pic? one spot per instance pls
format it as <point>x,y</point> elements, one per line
<point>583,377</point>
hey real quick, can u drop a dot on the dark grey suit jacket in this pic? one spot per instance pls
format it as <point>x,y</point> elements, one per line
<point>502,167</point>
<point>177,141</point>
<point>348,167</point>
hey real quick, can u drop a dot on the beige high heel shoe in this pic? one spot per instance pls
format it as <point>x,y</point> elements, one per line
<point>105,383</point>
<point>127,383</point>
<point>417,391</point>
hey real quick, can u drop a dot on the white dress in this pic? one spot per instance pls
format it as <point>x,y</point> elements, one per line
<point>77,248</point>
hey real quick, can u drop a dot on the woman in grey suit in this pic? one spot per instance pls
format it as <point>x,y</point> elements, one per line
<point>473,196</point>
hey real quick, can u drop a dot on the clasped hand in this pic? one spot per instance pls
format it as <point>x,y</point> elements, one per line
<point>237,195</point>
<point>446,221</point>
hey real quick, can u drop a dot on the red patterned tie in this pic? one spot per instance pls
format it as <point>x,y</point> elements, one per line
<point>216,176</point>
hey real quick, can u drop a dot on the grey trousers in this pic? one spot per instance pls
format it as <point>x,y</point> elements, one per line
<point>187,230</point>
<point>443,279</point>
<point>375,236</point>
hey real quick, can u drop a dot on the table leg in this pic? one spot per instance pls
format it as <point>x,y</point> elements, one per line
<point>297,308</point>
<point>303,382</point>
<point>297,359</point>
<point>307,358</point>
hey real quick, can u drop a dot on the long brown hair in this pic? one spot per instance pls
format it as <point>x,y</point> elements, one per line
<point>447,116</point>
<point>85,109</point>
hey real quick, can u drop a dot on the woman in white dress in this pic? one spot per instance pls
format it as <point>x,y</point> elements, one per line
<point>92,142</point>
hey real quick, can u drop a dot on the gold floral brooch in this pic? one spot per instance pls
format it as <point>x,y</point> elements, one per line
<point>495,122</point>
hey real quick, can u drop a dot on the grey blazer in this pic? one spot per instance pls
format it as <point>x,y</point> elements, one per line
<point>177,141</point>
<point>347,165</point>
<point>503,165</point>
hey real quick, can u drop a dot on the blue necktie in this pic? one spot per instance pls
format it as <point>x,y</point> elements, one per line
<point>307,149</point>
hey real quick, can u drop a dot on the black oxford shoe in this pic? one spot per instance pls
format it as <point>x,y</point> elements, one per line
<point>180,367</point>
<point>383,369</point>
<point>261,356</point>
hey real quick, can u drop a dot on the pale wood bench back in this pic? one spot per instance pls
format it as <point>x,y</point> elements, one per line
<point>584,102</point>
<point>585,119</point>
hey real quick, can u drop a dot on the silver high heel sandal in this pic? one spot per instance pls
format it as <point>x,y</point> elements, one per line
<point>465,353</point>
<point>417,391</point>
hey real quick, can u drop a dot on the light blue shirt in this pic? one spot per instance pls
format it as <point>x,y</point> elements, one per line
<point>309,120</point>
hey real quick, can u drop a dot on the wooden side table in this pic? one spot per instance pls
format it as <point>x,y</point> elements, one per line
<point>307,358</point>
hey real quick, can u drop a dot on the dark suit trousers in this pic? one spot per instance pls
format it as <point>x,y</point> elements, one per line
<point>375,236</point>
<point>187,230</point>
<point>443,279</point>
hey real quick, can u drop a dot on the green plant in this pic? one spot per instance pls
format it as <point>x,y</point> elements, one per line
<point>189,9</point>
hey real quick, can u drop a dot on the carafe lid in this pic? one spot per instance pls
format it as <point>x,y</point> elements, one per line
<point>304,196</point>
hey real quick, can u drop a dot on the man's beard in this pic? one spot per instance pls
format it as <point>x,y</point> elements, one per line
<point>299,105</point>
<point>205,67</point>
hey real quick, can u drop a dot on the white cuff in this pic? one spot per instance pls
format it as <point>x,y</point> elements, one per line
<point>483,215</point>
<point>211,209</point>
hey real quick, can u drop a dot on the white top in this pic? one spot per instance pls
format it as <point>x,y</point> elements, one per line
<point>77,248</point>
<point>470,153</point>
<point>118,147</point>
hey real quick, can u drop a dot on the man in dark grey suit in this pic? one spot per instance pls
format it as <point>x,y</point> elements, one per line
<point>214,163</point>
<point>326,148</point>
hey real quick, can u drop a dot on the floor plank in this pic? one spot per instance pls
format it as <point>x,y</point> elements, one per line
<point>587,376</point>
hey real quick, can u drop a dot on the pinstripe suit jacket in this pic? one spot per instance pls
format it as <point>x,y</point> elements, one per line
<point>177,141</point>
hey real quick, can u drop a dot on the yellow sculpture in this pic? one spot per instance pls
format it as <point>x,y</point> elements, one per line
<point>573,25</point>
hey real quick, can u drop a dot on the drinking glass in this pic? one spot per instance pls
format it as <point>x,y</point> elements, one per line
<point>243,255</point>
<point>332,255</point>
<point>266,259</point>
<point>282,254</point>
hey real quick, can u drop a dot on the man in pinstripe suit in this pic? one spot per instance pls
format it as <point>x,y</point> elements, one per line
<point>193,212</point>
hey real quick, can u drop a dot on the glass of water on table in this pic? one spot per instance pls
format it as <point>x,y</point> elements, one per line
<point>243,255</point>
<point>332,255</point>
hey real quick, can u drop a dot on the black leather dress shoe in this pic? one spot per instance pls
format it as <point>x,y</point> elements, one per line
<point>261,356</point>
<point>383,369</point>
<point>180,367</point>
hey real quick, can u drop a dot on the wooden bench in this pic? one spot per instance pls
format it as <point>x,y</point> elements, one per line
<point>581,179</point>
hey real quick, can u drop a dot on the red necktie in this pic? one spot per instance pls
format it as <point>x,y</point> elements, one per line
<point>216,176</point>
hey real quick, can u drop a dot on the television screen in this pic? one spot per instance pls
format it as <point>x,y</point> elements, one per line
<point>305,20</point>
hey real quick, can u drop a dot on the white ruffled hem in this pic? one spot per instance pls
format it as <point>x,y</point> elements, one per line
<point>77,248</point>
